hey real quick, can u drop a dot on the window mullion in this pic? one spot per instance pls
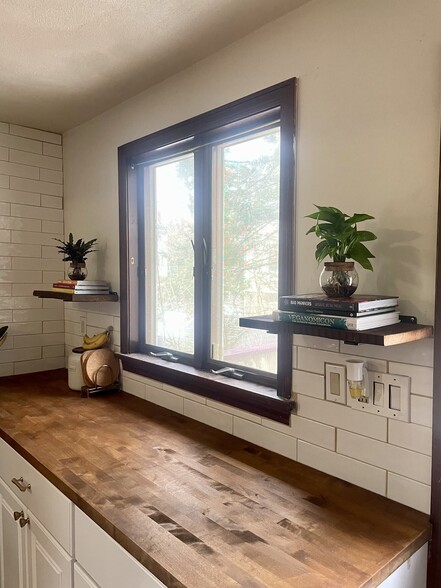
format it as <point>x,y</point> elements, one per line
<point>202,274</point>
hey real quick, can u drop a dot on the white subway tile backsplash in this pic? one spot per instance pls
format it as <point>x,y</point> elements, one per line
<point>133,386</point>
<point>267,438</point>
<point>18,355</point>
<point>351,470</point>
<point>53,350</point>
<point>4,181</point>
<point>19,170</point>
<point>313,360</point>
<point>39,340</point>
<point>421,377</point>
<point>28,289</point>
<point>51,201</point>
<point>232,410</point>
<point>52,227</point>
<point>38,314</point>
<point>50,175</point>
<point>40,161</point>
<point>25,329</point>
<point>389,457</point>
<point>52,150</point>
<point>41,365</point>
<point>5,236</point>
<point>20,277</point>
<point>53,327</point>
<point>41,212</point>
<point>416,353</point>
<point>20,143</point>
<point>210,416</point>
<point>343,417</point>
<point>305,429</point>
<point>35,134</point>
<point>21,250</point>
<point>32,263</point>
<point>4,153</point>
<point>308,384</point>
<point>19,197</point>
<point>36,186</point>
<point>185,394</point>
<point>102,321</point>
<point>316,343</point>
<point>4,127</point>
<point>20,224</point>
<point>5,209</point>
<point>5,263</point>
<point>165,399</point>
<point>421,410</point>
<point>33,238</point>
<point>409,492</point>
<point>410,436</point>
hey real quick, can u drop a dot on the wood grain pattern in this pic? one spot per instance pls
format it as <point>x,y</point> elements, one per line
<point>391,335</point>
<point>200,508</point>
<point>111,297</point>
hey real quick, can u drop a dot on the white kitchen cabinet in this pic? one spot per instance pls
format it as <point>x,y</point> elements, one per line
<point>82,579</point>
<point>12,542</point>
<point>33,554</point>
<point>94,549</point>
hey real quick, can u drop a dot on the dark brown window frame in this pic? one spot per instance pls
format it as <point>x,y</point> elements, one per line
<point>271,403</point>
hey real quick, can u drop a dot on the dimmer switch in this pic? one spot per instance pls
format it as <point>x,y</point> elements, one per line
<point>394,397</point>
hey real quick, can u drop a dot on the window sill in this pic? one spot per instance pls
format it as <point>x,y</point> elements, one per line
<point>248,396</point>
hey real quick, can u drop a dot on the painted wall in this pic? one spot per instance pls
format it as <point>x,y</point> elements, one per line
<point>31,203</point>
<point>368,141</point>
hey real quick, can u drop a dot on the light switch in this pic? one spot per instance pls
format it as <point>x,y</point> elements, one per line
<point>394,397</point>
<point>334,383</point>
<point>378,394</point>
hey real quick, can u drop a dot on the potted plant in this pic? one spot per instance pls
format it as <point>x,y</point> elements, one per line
<point>341,240</point>
<point>75,252</point>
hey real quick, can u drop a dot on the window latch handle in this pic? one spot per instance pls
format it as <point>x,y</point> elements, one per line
<point>229,372</point>
<point>166,355</point>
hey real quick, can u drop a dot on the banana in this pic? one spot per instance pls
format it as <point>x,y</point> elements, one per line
<point>96,341</point>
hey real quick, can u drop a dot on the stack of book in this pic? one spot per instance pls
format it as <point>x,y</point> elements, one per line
<point>357,313</point>
<point>81,287</point>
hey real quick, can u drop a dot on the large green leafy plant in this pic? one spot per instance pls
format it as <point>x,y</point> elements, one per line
<point>75,251</point>
<point>339,236</point>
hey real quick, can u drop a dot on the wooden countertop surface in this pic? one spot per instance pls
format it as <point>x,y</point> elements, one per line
<point>198,507</point>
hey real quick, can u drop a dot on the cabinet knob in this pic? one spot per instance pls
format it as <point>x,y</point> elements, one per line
<point>21,485</point>
<point>23,522</point>
<point>18,514</point>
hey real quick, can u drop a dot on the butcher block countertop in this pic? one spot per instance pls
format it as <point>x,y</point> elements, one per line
<point>198,507</point>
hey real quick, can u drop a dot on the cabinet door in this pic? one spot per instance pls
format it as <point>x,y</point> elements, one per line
<point>12,542</point>
<point>81,579</point>
<point>49,565</point>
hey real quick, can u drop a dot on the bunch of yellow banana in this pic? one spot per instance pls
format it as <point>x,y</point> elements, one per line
<point>96,341</point>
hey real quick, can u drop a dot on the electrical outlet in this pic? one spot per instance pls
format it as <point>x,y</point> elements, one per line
<point>389,396</point>
<point>82,325</point>
<point>335,383</point>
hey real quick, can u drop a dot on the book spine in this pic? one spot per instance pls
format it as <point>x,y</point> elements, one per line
<point>64,290</point>
<point>309,305</point>
<point>317,320</point>
<point>64,286</point>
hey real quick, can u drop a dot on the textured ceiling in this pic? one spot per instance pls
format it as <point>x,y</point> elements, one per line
<point>64,61</point>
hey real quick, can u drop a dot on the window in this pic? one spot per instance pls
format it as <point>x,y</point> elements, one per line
<point>206,222</point>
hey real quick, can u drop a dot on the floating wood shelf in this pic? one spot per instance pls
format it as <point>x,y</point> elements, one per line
<point>112,297</point>
<point>390,335</point>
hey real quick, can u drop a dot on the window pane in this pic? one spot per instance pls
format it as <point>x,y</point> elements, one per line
<point>169,189</point>
<point>245,248</point>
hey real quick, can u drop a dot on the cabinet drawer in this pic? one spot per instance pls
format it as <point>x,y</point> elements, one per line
<point>49,505</point>
<point>105,560</point>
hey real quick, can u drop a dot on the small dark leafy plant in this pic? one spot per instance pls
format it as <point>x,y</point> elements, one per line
<point>339,236</point>
<point>75,251</point>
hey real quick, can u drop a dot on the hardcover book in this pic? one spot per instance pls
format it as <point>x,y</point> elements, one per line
<point>301,302</point>
<point>338,322</point>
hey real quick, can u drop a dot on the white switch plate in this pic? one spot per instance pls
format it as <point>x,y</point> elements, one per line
<point>396,392</point>
<point>335,383</point>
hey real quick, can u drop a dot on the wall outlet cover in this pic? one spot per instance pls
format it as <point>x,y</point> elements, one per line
<point>335,383</point>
